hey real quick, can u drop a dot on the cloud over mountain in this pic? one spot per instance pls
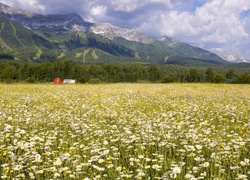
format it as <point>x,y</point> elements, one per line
<point>206,23</point>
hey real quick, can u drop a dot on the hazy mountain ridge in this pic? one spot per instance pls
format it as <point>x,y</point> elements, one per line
<point>232,56</point>
<point>69,22</point>
<point>71,37</point>
<point>189,50</point>
<point>7,10</point>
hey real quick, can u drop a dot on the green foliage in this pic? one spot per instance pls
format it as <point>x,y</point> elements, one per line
<point>47,71</point>
<point>94,81</point>
<point>193,75</point>
<point>230,74</point>
<point>81,80</point>
<point>219,78</point>
<point>169,79</point>
<point>210,75</point>
<point>154,73</point>
<point>242,79</point>
<point>6,56</point>
<point>30,80</point>
<point>10,72</point>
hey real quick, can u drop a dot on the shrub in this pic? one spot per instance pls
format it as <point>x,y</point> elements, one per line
<point>219,78</point>
<point>242,79</point>
<point>169,79</point>
<point>30,80</point>
<point>94,81</point>
<point>81,80</point>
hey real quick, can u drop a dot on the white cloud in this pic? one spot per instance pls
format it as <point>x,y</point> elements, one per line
<point>217,21</point>
<point>8,2</point>
<point>132,5</point>
<point>35,5</point>
<point>98,10</point>
<point>125,5</point>
<point>31,5</point>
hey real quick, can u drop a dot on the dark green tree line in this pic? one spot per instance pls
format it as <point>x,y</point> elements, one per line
<point>12,71</point>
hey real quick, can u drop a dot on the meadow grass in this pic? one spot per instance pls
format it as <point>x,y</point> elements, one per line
<point>125,131</point>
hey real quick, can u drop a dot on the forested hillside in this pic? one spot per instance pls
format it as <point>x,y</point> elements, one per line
<point>19,43</point>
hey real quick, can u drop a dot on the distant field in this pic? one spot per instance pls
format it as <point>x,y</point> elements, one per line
<point>125,131</point>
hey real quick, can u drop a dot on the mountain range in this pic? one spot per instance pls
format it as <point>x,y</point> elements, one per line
<point>27,36</point>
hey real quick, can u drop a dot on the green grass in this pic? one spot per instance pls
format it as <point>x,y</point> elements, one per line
<point>61,55</point>
<point>39,53</point>
<point>2,43</point>
<point>14,33</point>
<point>94,55</point>
<point>125,131</point>
<point>86,51</point>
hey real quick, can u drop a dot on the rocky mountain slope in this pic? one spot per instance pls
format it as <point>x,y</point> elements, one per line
<point>111,32</point>
<point>232,56</point>
<point>70,37</point>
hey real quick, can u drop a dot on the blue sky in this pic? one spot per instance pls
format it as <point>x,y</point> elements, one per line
<point>210,24</point>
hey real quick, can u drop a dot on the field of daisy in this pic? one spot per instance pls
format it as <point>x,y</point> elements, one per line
<point>125,131</point>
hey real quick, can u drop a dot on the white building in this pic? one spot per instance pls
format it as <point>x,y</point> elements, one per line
<point>69,81</point>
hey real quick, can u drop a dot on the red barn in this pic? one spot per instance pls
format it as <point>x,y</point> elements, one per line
<point>57,81</point>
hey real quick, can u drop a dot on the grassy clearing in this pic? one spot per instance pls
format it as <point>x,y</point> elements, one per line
<point>125,131</point>
<point>39,53</point>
